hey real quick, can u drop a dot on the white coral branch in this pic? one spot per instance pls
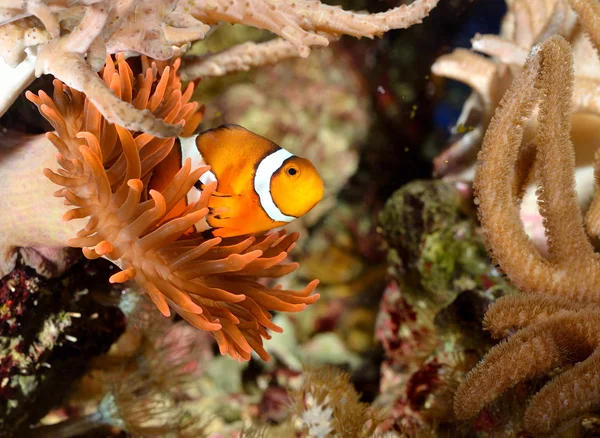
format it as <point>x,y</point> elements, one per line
<point>478,72</point>
<point>43,10</point>
<point>17,36</point>
<point>306,23</point>
<point>16,79</point>
<point>238,58</point>
<point>75,71</point>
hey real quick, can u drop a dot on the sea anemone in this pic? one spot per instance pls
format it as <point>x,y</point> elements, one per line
<point>104,173</point>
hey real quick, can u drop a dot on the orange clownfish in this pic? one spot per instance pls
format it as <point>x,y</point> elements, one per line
<point>260,186</point>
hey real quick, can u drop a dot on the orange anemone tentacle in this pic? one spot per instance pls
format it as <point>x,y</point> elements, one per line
<point>104,174</point>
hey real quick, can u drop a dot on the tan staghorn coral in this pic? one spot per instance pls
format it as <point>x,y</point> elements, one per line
<point>104,172</point>
<point>557,321</point>
<point>305,23</point>
<point>300,24</point>
<point>71,39</point>
<point>238,58</point>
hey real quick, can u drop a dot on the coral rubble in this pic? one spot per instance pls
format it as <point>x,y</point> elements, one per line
<point>46,328</point>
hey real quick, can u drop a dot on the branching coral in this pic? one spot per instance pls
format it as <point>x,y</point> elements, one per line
<point>75,39</point>
<point>524,25</point>
<point>328,405</point>
<point>238,58</point>
<point>557,323</point>
<point>104,172</point>
<point>301,24</point>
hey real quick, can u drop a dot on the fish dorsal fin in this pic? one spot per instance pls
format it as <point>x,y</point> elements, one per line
<point>233,153</point>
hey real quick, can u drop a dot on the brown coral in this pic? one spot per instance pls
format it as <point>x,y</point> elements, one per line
<point>525,24</point>
<point>104,174</point>
<point>557,323</point>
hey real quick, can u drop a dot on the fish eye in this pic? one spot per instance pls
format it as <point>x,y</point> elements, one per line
<point>292,171</point>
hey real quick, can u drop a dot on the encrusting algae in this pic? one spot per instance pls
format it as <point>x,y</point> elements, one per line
<point>212,283</point>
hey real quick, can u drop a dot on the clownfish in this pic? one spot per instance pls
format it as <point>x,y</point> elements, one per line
<point>260,186</point>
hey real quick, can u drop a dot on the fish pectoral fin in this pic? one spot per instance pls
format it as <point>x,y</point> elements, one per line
<point>225,212</point>
<point>231,203</point>
<point>221,195</point>
<point>202,186</point>
<point>218,211</point>
<point>221,222</point>
<point>221,208</point>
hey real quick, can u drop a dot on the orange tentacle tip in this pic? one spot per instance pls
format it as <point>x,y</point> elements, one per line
<point>135,184</point>
<point>104,248</point>
<point>122,276</point>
